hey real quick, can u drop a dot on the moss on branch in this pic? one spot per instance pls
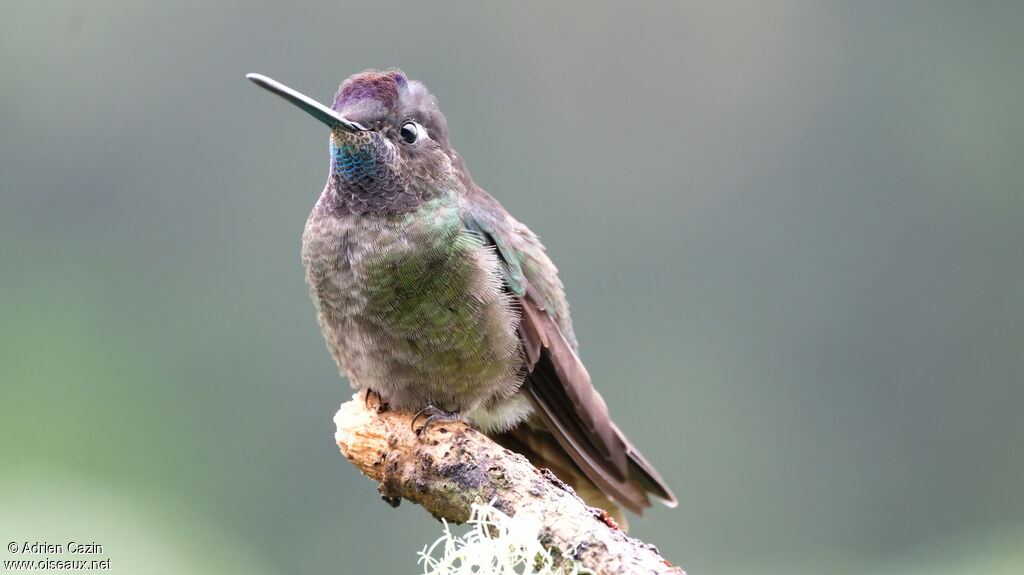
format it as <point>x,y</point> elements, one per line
<point>453,466</point>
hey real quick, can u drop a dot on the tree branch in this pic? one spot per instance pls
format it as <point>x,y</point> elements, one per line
<point>454,466</point>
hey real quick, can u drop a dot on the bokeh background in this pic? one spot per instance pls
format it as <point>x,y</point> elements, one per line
<point>792,235</point>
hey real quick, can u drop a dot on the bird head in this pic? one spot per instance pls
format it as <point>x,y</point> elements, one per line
<point>389,141</point>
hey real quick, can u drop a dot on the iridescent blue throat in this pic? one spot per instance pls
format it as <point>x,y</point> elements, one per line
<point>353,162</point>
<point>363,180</point>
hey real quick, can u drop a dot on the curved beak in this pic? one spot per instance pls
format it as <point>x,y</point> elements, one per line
<point>311,106</point>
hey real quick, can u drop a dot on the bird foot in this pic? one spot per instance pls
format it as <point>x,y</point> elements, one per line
<point>432,413</point>
<point>382,405</point>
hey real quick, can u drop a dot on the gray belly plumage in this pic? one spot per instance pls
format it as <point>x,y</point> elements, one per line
<point>412,307</point>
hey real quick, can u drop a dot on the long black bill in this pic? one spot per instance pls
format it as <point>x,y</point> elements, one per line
<point>311,106</point>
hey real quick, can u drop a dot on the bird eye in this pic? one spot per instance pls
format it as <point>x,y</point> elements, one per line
<point>410,132</point>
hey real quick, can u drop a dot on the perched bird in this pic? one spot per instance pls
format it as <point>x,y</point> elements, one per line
<point>431,296</point>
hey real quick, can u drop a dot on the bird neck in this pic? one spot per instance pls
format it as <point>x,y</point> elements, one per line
<point>364,179</point>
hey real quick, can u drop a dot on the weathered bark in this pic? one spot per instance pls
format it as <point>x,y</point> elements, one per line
<point>453,466</point>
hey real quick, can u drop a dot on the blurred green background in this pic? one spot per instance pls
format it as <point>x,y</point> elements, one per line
<point>791,234</point>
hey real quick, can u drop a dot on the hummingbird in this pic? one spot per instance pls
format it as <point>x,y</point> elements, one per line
<point>432,297</point>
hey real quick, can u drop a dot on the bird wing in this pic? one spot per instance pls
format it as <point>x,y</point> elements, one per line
<point>557,384</point>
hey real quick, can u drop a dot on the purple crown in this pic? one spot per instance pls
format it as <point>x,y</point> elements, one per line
<point>370,85</point>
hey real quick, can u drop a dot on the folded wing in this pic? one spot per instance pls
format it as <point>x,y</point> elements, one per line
<point>557,384</point>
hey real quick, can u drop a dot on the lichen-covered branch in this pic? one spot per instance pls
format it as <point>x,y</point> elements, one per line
<point>453,466</point>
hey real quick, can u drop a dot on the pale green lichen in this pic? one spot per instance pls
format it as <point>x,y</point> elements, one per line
<point>495,544</point>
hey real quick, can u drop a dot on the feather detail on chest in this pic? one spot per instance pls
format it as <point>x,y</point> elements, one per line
<point>412,305</point>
